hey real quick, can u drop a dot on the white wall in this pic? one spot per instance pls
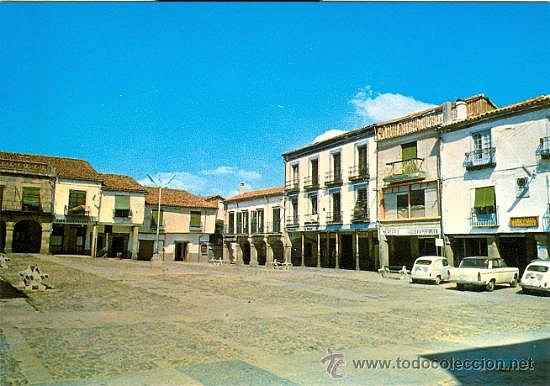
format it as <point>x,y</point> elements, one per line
<point>266,203</point>
<point>137,206</point>
<point>516,139</point>
<point>64,186</point>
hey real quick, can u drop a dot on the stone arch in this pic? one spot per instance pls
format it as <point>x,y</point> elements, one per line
<point>245,248</point>
<point>27,237</point>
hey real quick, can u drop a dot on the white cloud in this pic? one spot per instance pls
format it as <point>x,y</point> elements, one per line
<point>248,175</point>
<point>328,134</point>
<point>182,180</point>
<point>376,107</point>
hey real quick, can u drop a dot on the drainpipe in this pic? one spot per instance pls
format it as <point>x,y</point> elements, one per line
<point>440,189</point>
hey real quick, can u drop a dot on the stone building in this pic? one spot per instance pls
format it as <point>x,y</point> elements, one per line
<point>185,224</point>
<point>330,202</point>
<point>254,232</point>
<point>495,170</point>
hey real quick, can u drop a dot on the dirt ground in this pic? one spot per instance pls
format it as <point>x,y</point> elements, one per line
<point>111,321</point>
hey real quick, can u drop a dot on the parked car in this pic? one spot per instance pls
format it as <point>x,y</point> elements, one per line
<point>430,268</point>
<point>536,277</point>
<point>483,271</point>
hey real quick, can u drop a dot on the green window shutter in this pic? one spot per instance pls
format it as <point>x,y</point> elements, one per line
<point>155,217</point>
<point>122,202</point>
<point>408,151</point>
<point>31,197</point>
<point>484,197</point>
<point>195,219</point>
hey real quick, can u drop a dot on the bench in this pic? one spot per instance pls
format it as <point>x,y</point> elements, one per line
<point>396,272</point>
<point>284,265</point>
<point>4,260</point>
<point>32,278</point>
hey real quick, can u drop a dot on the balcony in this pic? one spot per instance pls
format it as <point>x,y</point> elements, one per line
<point>311,183</point>
<point>292,186</point>
<point>273,227</point>
<point>257,229</point>
<point>360,215</point>
<point>405,170</point>
<point>311,218</point>
<point>292,221</point>
<point>543,151</point>
<point>77,211</point>
<point>479,159</point>
<point>16,206</point>
<point>358,173</point>
<point>334,218</point>
<point>229,229</point>
<point>122,213</point>
<point>333,178</point>
<point>484,220</point>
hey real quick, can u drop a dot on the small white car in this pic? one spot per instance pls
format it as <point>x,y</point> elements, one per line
<point>484,271</point>
<point>430,268</point>
<point>536,277</point>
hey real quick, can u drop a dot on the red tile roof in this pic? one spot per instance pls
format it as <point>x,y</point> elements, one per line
<point>121,183</point>
<point>64,167</point>
<point>279,190</point>
<point>177,198</point>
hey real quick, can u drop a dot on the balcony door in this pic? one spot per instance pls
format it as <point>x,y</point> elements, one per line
<point>362,160</point>
<point>336,206</point>
<point>314,171</point>
<point>336,166</point>
<point>481,143</point>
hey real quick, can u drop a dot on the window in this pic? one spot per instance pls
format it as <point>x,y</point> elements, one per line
<point>411,201</point>
<point>336,215</point>
<point>418,203</point>
<point>254,221</point>
<point>336,167</point>
<point>313,202</point>
<point>77,201</point>
<point>484,202</point>
<point>195,221</point>
<point>314,171</point>
<point>408,151</point>
<point>122,206</point>
<point>403,205</point>
<point>522,187</point>
<point>245,222</point>
<point>155,219</point>
<point>31,199</point>
<point>231,220</point>
<point>276,220</point>
<point>239,222</point>
<point>260,220</point>
<point>294,203</point>
<point>295,173</point>
<point>362,159</point>
<point>360,210</point>
<point>481,142</point>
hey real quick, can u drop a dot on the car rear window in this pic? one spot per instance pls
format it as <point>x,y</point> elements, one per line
<point>474,263</point>
<point>538,268</point>
<point>423,262</point>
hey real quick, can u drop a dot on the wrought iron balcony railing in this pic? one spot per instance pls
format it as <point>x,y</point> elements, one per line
<point>480,219</point>
<point>311,183</point>
<point>311,218</point>
<point>333,178</point>
<point>360,215</point>
<point>77,211</point>
<point>543,151</point>
<point>405,170</point>
<point>334,217</point>
<point>257,228</point>
<point>292,186</point>
<point>358,173</point>
<point>292,221</point>
<point>122,213</point>
<point>481,158</point>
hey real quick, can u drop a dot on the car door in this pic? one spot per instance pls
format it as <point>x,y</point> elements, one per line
<point>506,274</point>
<point>444,269</point>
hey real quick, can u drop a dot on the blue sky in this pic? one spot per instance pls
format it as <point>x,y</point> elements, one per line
<point>216,92</point>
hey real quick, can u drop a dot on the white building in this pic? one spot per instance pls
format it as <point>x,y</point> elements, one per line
<point>495,171</point>
<point>186,224</point>
<point>254,227</point>
<point>330,202</point>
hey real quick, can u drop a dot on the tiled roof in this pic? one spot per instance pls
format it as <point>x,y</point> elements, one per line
<point>64,167</point>
<point>121,183</point>
<point>526,104</point>
<point>177,198</point>
<point>279,190</point>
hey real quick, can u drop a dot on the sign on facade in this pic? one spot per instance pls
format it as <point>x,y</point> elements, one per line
<point>531,221</point>
<point>412,231</point>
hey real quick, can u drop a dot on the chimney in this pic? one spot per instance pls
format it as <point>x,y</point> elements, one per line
<point>241,188</point>
<point>446,108</point>
<point>461,110</point>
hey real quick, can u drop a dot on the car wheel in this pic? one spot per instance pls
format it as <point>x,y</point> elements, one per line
<point>525,291</point>
<point>514,282</point>
<point>460,286</point>
<point>437,280</point>
<point>490,286</point>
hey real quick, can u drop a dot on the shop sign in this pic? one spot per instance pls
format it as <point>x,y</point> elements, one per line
<point>531,221</point>
<point>412,231</point>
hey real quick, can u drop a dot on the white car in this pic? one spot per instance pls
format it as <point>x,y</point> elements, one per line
<point>483,271</point>
<point>430,268</point>
<point>536,277</point>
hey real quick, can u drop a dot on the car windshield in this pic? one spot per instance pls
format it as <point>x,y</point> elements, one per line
<point>423,262</point>
<point>538,268</point>
<point>474,263</point>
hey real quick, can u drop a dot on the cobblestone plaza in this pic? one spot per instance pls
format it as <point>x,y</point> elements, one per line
<point>111,321</point>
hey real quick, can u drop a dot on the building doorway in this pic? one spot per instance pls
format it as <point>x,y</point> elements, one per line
<point>119,245</point>
<point>245,247</point>
<point>347,260</point>
<point>517,251</point>
<point>146,248</point>
<point>400,251</point>
<point>180,251</point>
<point>27,237</point>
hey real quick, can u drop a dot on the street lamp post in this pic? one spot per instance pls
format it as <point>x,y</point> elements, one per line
<point>160,186</point>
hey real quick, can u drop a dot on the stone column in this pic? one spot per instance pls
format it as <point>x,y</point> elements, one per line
<point>492,246</point>
<point>449,254</point>
<point>238,253</point>
<point>337,250</point>
<point>268,253</point>
<point>357,253</point>
<point>45,242</point>
<point>383,249</point>
<point>135,241</point>
<point>303,246</point>
<point>253,253</point>
<point>542,242</point>
<point>415,247</point>
<point>318,250</point>
<point>371,248</point>
<point>9,236</point>
<point>226,252</point>
<point>93,241</point>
